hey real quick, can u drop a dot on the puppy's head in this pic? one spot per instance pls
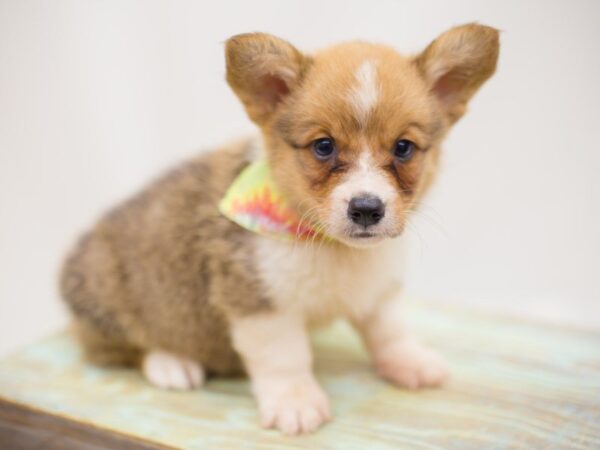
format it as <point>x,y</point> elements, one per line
<point>352,133</point>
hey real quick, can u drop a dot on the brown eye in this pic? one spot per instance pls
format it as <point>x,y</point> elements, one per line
<point>323,148</point>
<point>404,150</point>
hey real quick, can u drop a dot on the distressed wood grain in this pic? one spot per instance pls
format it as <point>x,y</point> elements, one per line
<point>515,385</point>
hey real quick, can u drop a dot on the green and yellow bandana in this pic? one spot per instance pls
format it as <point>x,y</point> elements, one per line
<point>254,202</point>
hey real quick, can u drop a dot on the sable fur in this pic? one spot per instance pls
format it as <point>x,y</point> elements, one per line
<point>164,269</point>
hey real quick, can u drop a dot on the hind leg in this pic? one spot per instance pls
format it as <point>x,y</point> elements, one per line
<point>106,350</point>
<point>162,369</point>
<point>169,371</point>
<point>92,286</point>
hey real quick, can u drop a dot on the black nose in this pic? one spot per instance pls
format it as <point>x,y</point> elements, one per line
<point>366,210</point>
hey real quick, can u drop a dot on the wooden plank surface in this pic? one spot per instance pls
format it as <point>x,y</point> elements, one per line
<point>25,428</point>
<point>515,385</point>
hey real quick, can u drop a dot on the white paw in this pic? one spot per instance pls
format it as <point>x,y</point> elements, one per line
<point>409,364</point>
<point>293,408</point>
<point>168,371</point>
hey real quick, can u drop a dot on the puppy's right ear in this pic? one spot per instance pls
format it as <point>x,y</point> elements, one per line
<point>262,70</point>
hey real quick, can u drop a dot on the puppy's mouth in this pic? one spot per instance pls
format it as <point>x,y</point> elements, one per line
<point>363,238</point>
<point>363,235</point>
<point>366,237</point>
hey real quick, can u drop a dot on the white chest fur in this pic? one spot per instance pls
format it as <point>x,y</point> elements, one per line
<point>323,281</point>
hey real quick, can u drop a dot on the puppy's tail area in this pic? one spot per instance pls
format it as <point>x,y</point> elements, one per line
<point>89,285</point>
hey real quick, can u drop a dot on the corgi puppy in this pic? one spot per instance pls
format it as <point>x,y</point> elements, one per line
<point>350,137</point>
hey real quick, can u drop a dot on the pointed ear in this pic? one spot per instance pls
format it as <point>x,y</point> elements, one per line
<point>262,70</point>
<point>457,63</point>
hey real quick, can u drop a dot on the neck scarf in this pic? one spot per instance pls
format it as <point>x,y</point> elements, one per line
<point>254,202</point>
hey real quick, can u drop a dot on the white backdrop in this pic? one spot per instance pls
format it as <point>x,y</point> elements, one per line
<point>96,97</point>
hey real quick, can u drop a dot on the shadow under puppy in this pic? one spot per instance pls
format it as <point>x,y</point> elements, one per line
<point>350,139</point>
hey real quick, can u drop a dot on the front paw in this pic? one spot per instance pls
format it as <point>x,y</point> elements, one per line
<point>293,408</point>
<point>411,365</point>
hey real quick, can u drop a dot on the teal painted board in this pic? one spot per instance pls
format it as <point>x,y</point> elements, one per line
<point>514,385</point>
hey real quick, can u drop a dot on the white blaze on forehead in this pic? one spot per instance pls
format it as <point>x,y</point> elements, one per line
<point>363,96</point>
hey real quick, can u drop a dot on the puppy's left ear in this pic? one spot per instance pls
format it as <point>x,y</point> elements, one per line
<point>262,70</point>
<point>457,63</point>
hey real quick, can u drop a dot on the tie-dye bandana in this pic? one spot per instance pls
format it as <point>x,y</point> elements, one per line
<point>254,202</point>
